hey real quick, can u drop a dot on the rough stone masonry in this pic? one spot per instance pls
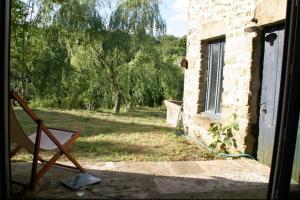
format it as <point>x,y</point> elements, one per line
<point>211,19</point>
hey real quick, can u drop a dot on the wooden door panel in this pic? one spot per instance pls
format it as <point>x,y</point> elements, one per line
<point>272,65</point>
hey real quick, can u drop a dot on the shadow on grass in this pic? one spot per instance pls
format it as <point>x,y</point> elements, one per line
<point>107,137</point>
<point>140,112</point>
<point>138,185</point>
<point>145,113</point>
<point>89,126</point>
<point>109,148</point>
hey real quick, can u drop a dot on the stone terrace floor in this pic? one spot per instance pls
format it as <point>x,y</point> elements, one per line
<point>228,179</point>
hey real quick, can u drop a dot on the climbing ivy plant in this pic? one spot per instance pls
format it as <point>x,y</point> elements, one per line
<point>222,136</point>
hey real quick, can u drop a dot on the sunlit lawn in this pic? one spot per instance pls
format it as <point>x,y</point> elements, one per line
<point>139,135</point>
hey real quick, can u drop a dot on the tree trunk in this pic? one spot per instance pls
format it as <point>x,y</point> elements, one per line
<point>118,102</point>
<point>23,85</point>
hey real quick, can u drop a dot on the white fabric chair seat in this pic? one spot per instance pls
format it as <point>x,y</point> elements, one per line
<point>47,143</point>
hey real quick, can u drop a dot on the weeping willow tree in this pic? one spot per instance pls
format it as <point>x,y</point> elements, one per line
<point>69,54</point>
<point>44,33</point>
<point>154,75</point>
<point>109,46</point>
<point>138,17</point>
<point>23,30</point>
<point>128,30</point>
<point>75,24</point>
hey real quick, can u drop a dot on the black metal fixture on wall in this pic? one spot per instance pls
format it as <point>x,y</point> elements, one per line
<point>184,63</point>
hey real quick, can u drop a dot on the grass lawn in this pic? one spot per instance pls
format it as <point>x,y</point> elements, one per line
<point>138,135</point>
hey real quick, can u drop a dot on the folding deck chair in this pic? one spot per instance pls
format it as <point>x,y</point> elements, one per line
<point>45,139</point>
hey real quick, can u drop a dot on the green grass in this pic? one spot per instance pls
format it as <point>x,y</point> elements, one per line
<point>138,135</point>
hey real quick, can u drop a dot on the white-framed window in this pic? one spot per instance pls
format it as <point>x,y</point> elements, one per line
<point>214,76</point>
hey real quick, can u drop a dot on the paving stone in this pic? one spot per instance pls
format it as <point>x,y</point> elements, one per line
<point>186,168</point>
<point>155,180</point>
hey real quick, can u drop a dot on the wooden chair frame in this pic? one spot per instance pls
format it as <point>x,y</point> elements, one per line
<point>35,174</point>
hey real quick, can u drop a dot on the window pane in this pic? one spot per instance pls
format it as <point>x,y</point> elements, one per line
<point>215,50</point>
<point>218,110</point>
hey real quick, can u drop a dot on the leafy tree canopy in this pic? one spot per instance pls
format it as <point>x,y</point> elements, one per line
<point>69,54</point>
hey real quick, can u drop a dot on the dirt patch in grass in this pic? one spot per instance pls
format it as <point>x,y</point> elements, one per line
<point>138,135</point>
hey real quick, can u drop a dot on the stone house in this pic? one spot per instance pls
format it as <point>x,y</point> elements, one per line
<point>234,51</point>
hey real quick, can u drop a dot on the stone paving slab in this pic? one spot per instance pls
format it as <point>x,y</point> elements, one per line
<point>233,179</point>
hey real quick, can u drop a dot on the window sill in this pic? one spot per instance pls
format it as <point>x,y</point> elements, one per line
<point>213,116</point>
<point>205,119</point>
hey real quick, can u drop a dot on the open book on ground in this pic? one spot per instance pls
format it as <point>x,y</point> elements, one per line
<point>80,180</point>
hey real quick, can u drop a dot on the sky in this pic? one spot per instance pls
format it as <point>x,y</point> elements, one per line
<point>175,12</point>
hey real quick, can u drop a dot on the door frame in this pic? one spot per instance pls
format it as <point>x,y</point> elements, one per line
<point>286,130</point>
<point>5,179</point>
<point>265,29</point>
<point>288,108</point>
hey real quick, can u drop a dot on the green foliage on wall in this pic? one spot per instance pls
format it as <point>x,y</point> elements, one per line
<point>222,136</point>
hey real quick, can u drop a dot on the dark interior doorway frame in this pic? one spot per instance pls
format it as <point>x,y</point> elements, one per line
<point>286,130</point>
<point>288,108</point>
<point>5,181</point>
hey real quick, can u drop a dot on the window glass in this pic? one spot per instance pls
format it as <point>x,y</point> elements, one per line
<point>220,89</point>
<point>215,52</point>
<point>214,77</point>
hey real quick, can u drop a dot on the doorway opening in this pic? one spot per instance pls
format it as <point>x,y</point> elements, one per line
<point>180,179</point>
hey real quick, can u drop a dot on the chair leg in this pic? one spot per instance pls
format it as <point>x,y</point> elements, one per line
<point>49,164</point>
<point>40,159</point>
<point>72,159</point>
<point>15,151</point>
<point>63,148</point>
<point>33,179</point>
<point>60,165</point>
<point>36,176</point>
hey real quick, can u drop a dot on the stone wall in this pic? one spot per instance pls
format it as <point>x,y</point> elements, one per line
<point>212,19</point>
